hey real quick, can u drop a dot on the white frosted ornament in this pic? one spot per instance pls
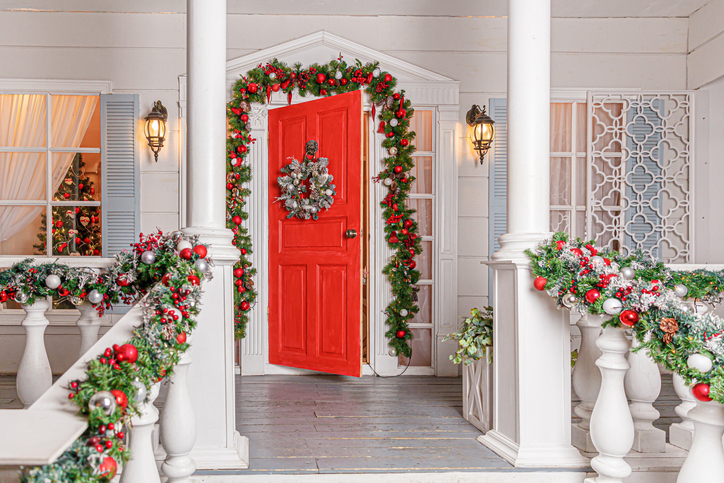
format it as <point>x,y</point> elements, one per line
<point>95,296</point>
<point>628,273</point>
<point>681,290</point>
<point>392,151</point>
<point>404,312</point>
<point>148,257</point>
<point>329,192</point>
<point>52,281</point>
<point>273,75</point>
<point>376,72</point>
<point>388,181</point>
<point>183,244</point>
<point>700,362</point>
<point>612,306</point>
<point>394,122</point>
<point>569,300</point>
<point>338,75</point>
<point>201,265</point>
<point>596,260</point>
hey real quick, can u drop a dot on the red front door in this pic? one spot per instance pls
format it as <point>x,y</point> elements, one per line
<point>314,268</point>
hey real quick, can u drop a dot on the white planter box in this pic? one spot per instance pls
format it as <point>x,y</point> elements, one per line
<point>478,393</point>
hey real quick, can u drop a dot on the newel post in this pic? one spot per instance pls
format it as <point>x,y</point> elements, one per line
<point>34,374</point>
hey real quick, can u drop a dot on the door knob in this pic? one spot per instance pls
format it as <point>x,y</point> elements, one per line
<point>351,233</point>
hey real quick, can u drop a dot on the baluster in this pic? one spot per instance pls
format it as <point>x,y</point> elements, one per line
<point>141,467</point>
<point>682,434</point>
<point>88,323</point>
<point>586,380</point>
<point>643,385</point>
<point>178,425</point>
<point>34,374</point>
<point>705,461</point>
<point>612,429</point>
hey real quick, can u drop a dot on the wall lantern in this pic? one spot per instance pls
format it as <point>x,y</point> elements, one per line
<point>483,130</point>
<point>155,128</point>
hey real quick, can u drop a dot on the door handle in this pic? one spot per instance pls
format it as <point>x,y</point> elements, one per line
<point>351,233</point>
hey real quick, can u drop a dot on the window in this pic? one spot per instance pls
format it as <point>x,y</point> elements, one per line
<point>50,181</point>
<point>422,199</point>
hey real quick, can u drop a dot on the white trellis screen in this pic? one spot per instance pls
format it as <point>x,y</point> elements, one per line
<point>639,159</point>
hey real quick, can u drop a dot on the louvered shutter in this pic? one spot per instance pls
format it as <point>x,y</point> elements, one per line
<point>498,181</point>
<point>121,174</point>
<point>643,170</point>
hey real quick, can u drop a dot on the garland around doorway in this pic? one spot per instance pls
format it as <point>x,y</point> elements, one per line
<point>401,230</point>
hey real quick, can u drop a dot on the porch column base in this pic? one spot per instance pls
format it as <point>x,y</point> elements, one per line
<point>562,456</point>
<point>228,458</point>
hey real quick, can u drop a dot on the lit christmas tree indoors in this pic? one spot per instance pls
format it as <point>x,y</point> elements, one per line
<point>76,230</point>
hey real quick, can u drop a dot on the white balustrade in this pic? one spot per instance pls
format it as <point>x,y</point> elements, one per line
<point>682,434</point>
<point>586,380</point>
<point>34,374</point>
<point>643,386</point>
<point>612,428</point>
<point>141,467</point>
<point>178,425</point>
<point>88,323</point>
<point>705,461</point>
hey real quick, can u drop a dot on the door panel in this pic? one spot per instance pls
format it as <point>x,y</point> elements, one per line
<point>314,269</point>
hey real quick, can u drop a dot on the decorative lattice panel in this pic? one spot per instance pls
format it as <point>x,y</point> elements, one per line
<point>639,172</point>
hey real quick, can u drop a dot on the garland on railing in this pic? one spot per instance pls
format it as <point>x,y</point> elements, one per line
<point>401,229</point>
<point>162,273</point>
<point>643,294</point>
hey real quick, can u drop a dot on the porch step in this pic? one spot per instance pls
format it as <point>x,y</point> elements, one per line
<point>516,476</point>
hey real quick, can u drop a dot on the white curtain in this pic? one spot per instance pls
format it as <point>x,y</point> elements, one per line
<point>22,175</point>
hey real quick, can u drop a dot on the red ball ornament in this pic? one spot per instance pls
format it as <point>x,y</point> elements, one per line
<point>405,231</point>
<point>181,338</point>
<point>321,78</point>
<point>186,254</point>
<point>245,305</point>
<point>236,219</point>
<point>701,392</point>
<point>395,207</point>
<point>122,281</point>
<point>388,78</point>
<point>242,149</point>
<point>193,279</point>
<point>121,398</point>
<point>540,283</point>
<point>129,351</point>
<point>396,96</point>
<point>252,88</point>
<point>401,113</point>
<point>404,142</point>
<point>577,251</point>
<point>331,82</point>
<point>412,264</point>
<point>559,244</point>
<point>244,118</point>
<point>4,296</point>
<point>398,169</point>
<point>628,317</point>
<point>390,134</point>
<point>239,272</point>
<point>108,467</point>
<point>165,279</point>
<point>401,334</point>
<point>243,251</point>
<point>592,295</point>
<point>322,92</point>
<point>408,224</point>
<point>201,251</point>
<point>275,87</point>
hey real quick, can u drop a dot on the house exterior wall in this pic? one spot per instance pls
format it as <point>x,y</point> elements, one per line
<point>140,47</point>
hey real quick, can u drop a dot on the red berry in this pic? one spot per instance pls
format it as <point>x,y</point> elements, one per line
<point>120,435</point>
<point>99,448</point>
<point>109,444</point>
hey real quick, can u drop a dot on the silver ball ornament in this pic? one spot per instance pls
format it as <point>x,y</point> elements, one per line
<point>596,260</point>
<point>329,192</point>
<point>52,281</point>
<point>21,297</point>
<point>76,300</point>
<point>700,362</point>
<point>201,265</point>
<point>392,151</point>
<point>681,290</point>
<point>338,75</point>
<point>376,72</point>
<point>612,306</point>
<point>628,273</point>
<point>273,75</point>
<point>569,300</point>
<point>183,244</point>
<point>104,400</point>
<point>404,312</point>
<point>141,391</point>
<point>148,257</point>
<point>394,122</point>
<point>388,181</point>
<point>95,296</point>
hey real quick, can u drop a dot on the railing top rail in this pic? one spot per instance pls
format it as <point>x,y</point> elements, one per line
<point>89,262</point>
<point>695,266</point>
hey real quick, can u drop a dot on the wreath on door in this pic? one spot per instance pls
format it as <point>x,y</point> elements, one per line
<point>319,185</point>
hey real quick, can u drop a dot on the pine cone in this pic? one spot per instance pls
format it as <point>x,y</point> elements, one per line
<point>670,326</point>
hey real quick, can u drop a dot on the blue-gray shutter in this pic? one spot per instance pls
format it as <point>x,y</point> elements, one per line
<point>120,203</point>
<point>643,222</point>
<point>498,179</point>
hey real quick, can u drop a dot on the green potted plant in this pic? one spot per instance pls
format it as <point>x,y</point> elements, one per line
<point>474,337</point>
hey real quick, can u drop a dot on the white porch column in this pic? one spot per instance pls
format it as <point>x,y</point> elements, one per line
<point>532,407</point>
<point>211,376</point>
